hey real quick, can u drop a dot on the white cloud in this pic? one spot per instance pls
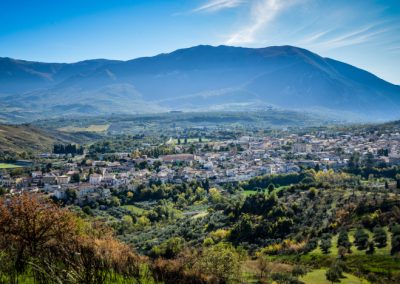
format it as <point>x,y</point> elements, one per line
<point>356,36</point>
<point>262,13</point>
<point>217,5</point>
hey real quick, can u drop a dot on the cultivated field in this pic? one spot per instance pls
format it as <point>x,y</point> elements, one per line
<point>90,128</point>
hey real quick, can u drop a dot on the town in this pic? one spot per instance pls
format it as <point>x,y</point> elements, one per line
<point>216,161</point>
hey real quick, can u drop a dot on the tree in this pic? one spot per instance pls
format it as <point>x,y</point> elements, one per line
<point>369,160</point>
<point>299,271</point>
<point>343,240</point>
<point>168,249</point>
<point>271,187</point>
<point>380,237</point>
<point>221,261</point>
<point>334,273</point>
<point>371,248</point>
<point>395,249</point>
<point>361,238</point>
<point>115,202</point>
<point>75,178</point>
<point>312,193</point>
<point>325,245</point>
<point>215,195</point>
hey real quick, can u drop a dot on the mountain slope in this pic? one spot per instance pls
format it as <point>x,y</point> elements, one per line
<point>202,77</point>
<point>24,138</point>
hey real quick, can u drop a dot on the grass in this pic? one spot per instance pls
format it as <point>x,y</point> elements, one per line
<point>200,215</point>
<point>91,128</point>
<point>318,277</point>
<point>8,166</point>
<point>381,262</point>
<point>249,192</point>
<point>134,209</point>
<point>354,250</point>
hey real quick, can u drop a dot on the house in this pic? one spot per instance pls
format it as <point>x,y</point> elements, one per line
<point>63,179</point>
<point>60,194</point>
<point>95,179</point>
<point>49,179</point>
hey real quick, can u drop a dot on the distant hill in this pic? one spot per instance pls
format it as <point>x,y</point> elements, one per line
<point>28,138</point>
<point>24,138</point>
<point>197,78</point>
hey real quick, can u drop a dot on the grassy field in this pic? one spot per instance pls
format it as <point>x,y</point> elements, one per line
<point>249,192</point>
<point>354,250</point>
<point>91,128</point>
<point>8,166</point>
<point>134,209</point>
<point>318,277</point>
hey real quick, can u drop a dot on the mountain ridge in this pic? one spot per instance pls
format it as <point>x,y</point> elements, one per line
<point>201,77</point>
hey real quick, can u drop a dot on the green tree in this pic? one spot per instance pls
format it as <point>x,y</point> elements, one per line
<point>343,240</point>
<point>380,237</point>
<point>75,178</point>
<point>115,202</point>
<point>335,272</point>
<point>221,261</point>
<point>168,249</point>
<point>395,249</point>
<point>361,238</point>
<point>371,248</point>
<point>325,245</point>
<point>271,187</point>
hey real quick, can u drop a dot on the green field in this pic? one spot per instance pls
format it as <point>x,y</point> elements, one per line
<point>249,192</point>
<point>90,128</point>
<point>354,250</point>
<point>318,277</point>
<point>134,209</point>
<point>8,166</point>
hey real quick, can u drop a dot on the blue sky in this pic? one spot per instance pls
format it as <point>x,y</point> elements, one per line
<point>365,33</point>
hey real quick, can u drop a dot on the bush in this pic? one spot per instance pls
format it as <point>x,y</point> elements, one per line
<point>39,239</point>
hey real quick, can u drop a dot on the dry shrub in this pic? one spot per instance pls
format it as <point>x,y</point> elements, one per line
<point>39,237</point>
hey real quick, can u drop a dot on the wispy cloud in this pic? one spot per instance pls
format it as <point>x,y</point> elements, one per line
<point>332,39</point>
<point>262,13</point>
<point>217,5</point>
<point>309,39</point>
<point>394,49</point>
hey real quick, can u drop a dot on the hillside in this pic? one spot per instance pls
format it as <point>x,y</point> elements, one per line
<point>15,139</point>
<point>198,78</point>
<point>24,138</point>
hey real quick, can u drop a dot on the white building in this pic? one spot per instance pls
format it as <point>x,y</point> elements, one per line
<point>95,179</point>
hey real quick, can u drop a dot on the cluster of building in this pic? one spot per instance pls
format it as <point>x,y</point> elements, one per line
<point>219,162</point>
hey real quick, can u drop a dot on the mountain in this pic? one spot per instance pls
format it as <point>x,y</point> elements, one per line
<point>197,78</point>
